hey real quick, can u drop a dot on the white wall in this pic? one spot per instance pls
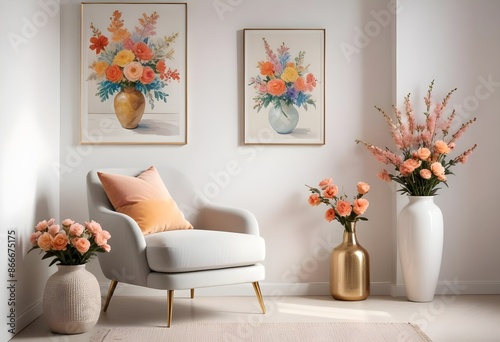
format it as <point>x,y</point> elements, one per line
<point>272,178</point>
<point>30,145</point>
<point>361,71</point>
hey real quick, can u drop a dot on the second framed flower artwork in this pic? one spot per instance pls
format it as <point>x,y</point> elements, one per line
<point>284,90</point>
<point>134,73</point>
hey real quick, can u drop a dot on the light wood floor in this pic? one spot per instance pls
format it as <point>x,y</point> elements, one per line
<point>468,318</point>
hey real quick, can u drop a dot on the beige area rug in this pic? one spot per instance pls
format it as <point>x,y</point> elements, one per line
<point>267,332</point>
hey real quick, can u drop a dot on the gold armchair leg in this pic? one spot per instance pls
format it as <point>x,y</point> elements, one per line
<point>256,288</point>
<point>192,293</point>
<point>111,290</point>
<point>170,306</point>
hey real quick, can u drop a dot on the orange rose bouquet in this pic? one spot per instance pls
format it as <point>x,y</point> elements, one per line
<point>71,243</point>
<point>282,79</point>
<point>340,208</point>
<point>424,148</point>
<point>132,59</point>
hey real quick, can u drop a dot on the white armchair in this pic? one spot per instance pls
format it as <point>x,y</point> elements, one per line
<point>224,247</point>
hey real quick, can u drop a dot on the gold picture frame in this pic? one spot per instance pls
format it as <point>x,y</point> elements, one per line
<point>133,58</point>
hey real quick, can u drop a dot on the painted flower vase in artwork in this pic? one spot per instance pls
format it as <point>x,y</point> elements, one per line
<point>420,240</point>
<point>283,118</point>
<point>129,106</point>
<point>350,269</point>
<point>71,300</point>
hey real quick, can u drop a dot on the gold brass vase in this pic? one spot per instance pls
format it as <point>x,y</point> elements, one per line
<point>129,106</point>
<point>350,269</point>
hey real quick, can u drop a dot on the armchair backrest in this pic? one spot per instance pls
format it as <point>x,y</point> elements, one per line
<point>127,260</point>
<point>182,190</point>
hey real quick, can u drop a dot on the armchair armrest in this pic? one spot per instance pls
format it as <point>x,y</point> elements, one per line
<point>127,261</point>
<point>229,219</point>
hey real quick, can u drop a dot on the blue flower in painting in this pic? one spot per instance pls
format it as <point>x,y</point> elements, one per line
<point>302,98</point>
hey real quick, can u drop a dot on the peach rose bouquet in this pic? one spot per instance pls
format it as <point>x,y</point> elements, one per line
<point>282,79</point>
<point>132,59</point>
<point>339,207</point>
<point>69,243</point>
<point>424,148</point>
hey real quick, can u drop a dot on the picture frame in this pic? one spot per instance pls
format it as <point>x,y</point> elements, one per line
<point>133,60</point>
<point>284,86</point>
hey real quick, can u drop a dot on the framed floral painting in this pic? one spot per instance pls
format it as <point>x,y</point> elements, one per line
<point>284,86</point>
<point>133,73</point>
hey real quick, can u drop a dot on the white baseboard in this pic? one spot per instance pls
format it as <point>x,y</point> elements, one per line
<point>455,287</point>
<point>28,316</point>
<point>268,289</point>
<point>308,289</point>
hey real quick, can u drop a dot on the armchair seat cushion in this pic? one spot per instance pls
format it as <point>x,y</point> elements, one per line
<point>198,249</point>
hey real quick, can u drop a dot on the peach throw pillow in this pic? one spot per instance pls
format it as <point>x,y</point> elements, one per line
<point>145,199</point>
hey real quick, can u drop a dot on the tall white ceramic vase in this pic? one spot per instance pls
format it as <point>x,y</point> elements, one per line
<point>420,241</point>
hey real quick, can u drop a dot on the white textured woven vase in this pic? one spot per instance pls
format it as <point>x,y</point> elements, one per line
<point>420,239</point>
<point>71,300</point>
